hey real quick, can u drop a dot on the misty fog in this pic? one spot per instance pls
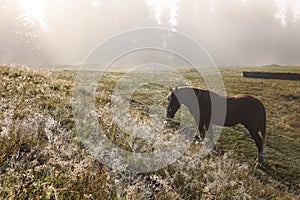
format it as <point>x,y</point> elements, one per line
<point>234,32</point>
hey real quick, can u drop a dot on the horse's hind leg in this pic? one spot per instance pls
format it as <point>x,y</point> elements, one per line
<point>259,143</point>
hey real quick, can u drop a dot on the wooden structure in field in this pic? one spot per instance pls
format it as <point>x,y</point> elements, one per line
<point>272,75</point>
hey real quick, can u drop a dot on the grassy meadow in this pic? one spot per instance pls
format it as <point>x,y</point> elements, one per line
<point>42,156</point>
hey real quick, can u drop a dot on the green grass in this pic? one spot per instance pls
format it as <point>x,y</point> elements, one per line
<point>42,157</point>
<point>282,102</point>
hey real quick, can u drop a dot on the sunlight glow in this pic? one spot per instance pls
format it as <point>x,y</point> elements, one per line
<point>95,3</point>
<point>245,2</point>
<point>157,7</point>
<point>287,10</point>
<point>212,5</point>
<point>33,12</point>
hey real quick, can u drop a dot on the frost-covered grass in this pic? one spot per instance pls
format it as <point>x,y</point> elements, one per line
<point>42,157</point>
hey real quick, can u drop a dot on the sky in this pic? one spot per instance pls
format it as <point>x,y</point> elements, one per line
<point>233,32</point>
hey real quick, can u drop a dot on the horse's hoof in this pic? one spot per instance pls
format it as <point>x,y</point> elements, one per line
<point>259,165</point>
<point>209,146</point>
<point>198,139</point>
<point>214,147</point>
<point>260,160</point>
<point>202,136</point>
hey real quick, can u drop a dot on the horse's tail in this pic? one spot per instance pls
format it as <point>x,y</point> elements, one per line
<point>262,127</point>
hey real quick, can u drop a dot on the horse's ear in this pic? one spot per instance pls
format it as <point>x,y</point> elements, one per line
<point>171,89</point>
<point>176,88</point>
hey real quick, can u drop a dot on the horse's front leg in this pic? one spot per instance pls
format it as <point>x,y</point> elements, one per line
<point>209,141</point>
<point>211,137</point>
<point>202,133</point>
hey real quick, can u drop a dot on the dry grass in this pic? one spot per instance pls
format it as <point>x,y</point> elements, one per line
<point>41,157</point>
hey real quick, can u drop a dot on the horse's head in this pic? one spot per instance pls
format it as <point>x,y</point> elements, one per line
<point>173,104</point>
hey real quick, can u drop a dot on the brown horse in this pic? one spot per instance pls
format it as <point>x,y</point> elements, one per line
<point>240,109</point>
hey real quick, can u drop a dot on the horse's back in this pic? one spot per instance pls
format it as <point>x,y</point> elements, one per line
<point>244,109</point>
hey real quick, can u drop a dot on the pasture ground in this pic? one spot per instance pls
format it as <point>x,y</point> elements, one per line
<point>42,157</point>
